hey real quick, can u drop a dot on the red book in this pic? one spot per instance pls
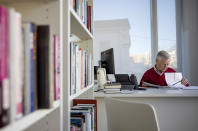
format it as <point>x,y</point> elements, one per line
<point>89,18</point>
<point>87,101</point>
<point>4,80</point>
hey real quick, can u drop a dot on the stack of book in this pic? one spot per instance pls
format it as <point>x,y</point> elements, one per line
<point>29,70</point>
<point>112,88</point>
<point>84,115</point>
<point>81,69</point>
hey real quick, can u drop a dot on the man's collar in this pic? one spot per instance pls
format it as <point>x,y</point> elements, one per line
<point>157,71</point>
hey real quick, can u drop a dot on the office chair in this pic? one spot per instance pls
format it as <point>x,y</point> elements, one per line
<point>130,116</point>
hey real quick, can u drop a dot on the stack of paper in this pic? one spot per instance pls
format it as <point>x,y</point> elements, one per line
<point>174,79</point>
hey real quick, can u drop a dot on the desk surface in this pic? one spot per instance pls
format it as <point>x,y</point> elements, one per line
<point>152,93</point>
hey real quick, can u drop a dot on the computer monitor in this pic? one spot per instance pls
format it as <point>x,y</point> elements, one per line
<point>107,61</point>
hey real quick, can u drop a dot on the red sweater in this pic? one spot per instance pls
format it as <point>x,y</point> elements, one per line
<point>151,76</point>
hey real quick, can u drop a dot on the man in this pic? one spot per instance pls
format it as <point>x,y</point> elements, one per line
<point>155,75</point>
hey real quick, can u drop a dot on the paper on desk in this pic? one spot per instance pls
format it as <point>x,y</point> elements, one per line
<point>172,78</point>
<point>191,88</point>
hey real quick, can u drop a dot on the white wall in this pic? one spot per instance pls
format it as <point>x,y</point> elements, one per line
<point>188,38</point>
<point>115,34</point>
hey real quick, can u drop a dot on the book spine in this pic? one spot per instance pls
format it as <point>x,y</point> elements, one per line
<point>56,68</point>
<point>35,65</point>
<point>43,74</point>
<point>83,9</point>
<point>26,28</point>
<point>77,7</point>
<point>19,67</point>
<point>55,58</point>
<point>89,18</point>
<point>81,64</point>
<point>4,80</point>
<point>75,76</point>
<point>31,68</point>
<point>72,90</point>
<point>84,69</point>
<point>71,66</point>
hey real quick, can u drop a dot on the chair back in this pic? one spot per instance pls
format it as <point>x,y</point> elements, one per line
<point>130,116</point>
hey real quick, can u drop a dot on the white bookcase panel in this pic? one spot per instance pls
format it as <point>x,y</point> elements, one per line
<point>63,21</point>
<point>31,120</point>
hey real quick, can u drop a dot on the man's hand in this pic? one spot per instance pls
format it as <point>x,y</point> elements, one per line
<point>185,82</point>
<point>144,85</point>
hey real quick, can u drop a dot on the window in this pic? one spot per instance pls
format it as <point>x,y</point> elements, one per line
<point>167,28</point>
<point>126,25</point>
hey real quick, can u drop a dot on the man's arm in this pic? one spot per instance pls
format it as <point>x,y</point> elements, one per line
<point>145,78</point>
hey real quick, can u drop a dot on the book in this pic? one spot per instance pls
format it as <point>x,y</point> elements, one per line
<point>45,67</point>
<point>83,128</point>
<point>31,39</point>
<point>16,65</point>
<point>35,66</point>
<point>27,36</point>
<point>19,66</point>
<point>81,68</point>
<point>111,89</point>
<point>78,122</point>
<point>83,9</point>
<point>4,76</point>
<point>56,67</point>
<point>190,88</point>
<point>12,46</point>
<point>112,86</point>
<point>88,103</point>
<point>73,68</point>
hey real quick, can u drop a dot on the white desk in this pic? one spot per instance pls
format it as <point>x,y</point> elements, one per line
<point>177,110</point>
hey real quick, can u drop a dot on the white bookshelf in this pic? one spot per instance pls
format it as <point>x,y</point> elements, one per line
<point>25,122</point>
<point>63,21</point>
<point>78,28</point>
<point>84,90</point>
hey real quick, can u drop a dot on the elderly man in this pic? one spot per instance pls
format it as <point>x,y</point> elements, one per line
<point>155,75</point>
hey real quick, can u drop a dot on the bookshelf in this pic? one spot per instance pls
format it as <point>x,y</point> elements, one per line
<point>81,92</point>
<point>74,26</point>
<point>63,21</point>
<point>78,28</point>
<point>27,122</point>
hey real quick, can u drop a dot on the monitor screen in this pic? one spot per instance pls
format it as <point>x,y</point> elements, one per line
<point>107,61</point>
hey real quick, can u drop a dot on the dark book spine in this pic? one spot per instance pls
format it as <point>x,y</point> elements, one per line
<point>43,34</point>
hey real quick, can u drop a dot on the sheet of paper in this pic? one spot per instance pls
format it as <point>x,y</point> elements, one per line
<point>174,79</point>
<point>153,85</point>
<point>191,88</point>
<point>111,77</point>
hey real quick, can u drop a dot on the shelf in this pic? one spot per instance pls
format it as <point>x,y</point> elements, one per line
<point>78,28</point>
<point>30,119</point>
<point>81,92</point>
<point>16,1</point>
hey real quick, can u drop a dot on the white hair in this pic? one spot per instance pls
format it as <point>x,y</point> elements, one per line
<point>162,54</point>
